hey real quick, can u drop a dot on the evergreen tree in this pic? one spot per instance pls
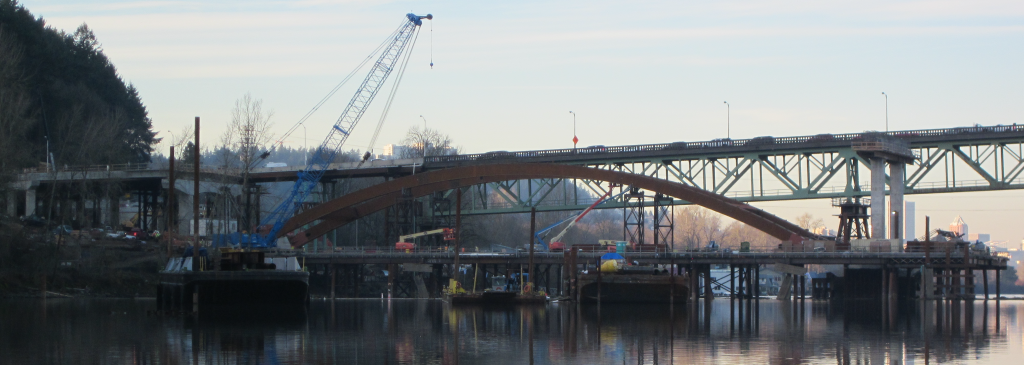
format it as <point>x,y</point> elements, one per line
<point>74,96</point>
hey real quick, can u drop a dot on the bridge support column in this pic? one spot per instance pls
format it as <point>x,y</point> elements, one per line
<point>896,183</point>
<point>878,215</point>
<point>12,206</point>
<point>30,202</point>
<point>757,282</point>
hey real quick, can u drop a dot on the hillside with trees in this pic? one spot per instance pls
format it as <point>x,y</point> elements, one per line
<point>59,88</point>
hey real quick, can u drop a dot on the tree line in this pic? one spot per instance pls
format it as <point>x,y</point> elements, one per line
<point>60,94</point>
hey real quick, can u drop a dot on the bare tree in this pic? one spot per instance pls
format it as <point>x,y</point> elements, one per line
<point>808,222</point>
<point>249,134</point>
<point>427,142</point>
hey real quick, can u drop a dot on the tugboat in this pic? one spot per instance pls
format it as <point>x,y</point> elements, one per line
<point>617,282</point>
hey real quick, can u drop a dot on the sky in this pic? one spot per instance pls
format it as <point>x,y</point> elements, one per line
<point>506,74</point>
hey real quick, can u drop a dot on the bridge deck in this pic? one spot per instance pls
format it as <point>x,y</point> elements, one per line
<point>976,261</point>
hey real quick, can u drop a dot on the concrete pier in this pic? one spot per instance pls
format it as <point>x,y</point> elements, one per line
<point>896,185</point>
<point>878,215</point>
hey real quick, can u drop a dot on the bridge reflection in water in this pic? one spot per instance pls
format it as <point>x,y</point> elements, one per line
<point>427,331</point>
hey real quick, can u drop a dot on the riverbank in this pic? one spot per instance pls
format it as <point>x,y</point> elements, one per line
<point>33,262</point>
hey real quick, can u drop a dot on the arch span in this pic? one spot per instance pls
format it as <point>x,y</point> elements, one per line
<point>342,210</point>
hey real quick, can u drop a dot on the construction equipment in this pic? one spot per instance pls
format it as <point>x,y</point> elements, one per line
<point>402,244</point>
<point>336,137</point>
<point>556,244</point>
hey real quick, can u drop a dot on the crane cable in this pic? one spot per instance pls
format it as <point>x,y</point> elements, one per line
<point>394,90</point>
<point>387,107</point>
<point>431,45</point>
<point>337,87</point>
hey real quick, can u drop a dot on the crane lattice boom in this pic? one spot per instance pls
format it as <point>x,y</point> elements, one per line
<point>325,153</point>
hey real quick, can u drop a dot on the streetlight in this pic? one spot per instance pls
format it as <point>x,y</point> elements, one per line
<point>305,151</point>
<point>424,123</point>
<point>574,139</point>
<point>728,132</point>
<point>886,111</point>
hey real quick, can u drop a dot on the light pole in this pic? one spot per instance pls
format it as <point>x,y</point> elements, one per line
<point>574,139</point>
<point>728,131</point>
<point>886,111</point>
<point>305,152</point>
<point>424,123</point>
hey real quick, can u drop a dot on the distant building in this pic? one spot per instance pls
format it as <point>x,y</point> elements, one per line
<point>276,164</point>
<point>910,222</point>
<point>824,231</point>
<point>393,151</point>
<point>983,237</point>
<point>958,226</point>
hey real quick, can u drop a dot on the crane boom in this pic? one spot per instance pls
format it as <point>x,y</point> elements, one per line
<point>421,234</point>
<point>574,219</point>
<point>332,144</point>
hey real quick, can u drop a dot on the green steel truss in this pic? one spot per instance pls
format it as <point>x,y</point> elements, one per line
<point>766,174</point>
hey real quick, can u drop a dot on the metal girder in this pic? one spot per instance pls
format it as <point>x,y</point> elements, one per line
<point>803,174</point>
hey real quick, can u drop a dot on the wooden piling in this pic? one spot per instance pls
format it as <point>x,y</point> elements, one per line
<point>984,278</point>
<point>533,230</point>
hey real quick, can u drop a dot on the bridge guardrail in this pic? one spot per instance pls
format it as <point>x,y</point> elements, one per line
<point>753,142</point>
<point>642,256</point>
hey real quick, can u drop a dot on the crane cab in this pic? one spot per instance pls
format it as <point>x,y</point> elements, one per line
<point>557,246</point>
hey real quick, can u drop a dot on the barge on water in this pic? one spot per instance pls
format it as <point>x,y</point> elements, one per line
<point>497,294</point>
<point>240,279</point>
<point>636,284</point>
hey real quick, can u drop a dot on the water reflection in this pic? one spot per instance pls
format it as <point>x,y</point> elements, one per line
<point>430,332</point>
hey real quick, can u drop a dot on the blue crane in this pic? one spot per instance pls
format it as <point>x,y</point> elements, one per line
<point>325,153</point>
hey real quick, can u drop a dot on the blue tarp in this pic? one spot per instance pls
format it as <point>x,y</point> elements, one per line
<point>612,256</point>
<point>234,239</point>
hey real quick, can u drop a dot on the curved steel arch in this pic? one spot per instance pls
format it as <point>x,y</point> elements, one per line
<point>338,212</point>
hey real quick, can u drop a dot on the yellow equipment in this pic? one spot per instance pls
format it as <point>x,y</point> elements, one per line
<point>610,266</point>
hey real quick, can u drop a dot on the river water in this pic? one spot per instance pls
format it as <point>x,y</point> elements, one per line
<point>124,331</point>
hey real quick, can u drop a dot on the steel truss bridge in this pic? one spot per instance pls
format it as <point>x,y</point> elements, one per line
<point>979,158</point>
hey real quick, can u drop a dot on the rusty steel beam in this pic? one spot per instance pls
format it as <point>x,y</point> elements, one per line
<point>339,211</point>
<point>349,214</point>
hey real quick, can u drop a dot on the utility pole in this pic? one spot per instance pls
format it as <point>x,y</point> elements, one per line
<point>574,139</point>
<point>728,122</point>
<point>169,204</point>
<point>886,111</point>
<point>195,202</point>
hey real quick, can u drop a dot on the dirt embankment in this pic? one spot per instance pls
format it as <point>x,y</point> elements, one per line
<point>32,261</point>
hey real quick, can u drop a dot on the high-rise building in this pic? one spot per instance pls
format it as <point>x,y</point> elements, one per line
<point>959,227</point>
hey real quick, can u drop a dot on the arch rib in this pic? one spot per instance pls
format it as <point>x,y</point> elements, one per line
<point>342,210</point>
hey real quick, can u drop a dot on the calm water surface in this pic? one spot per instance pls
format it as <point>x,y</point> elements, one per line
<point>95,331</point>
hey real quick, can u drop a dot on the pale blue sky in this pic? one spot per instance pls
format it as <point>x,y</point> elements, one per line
<point>506,74</point>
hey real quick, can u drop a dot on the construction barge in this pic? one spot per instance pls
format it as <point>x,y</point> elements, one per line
<point>240,279</point>
<point>497,294</point>
<point>615,282</point>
